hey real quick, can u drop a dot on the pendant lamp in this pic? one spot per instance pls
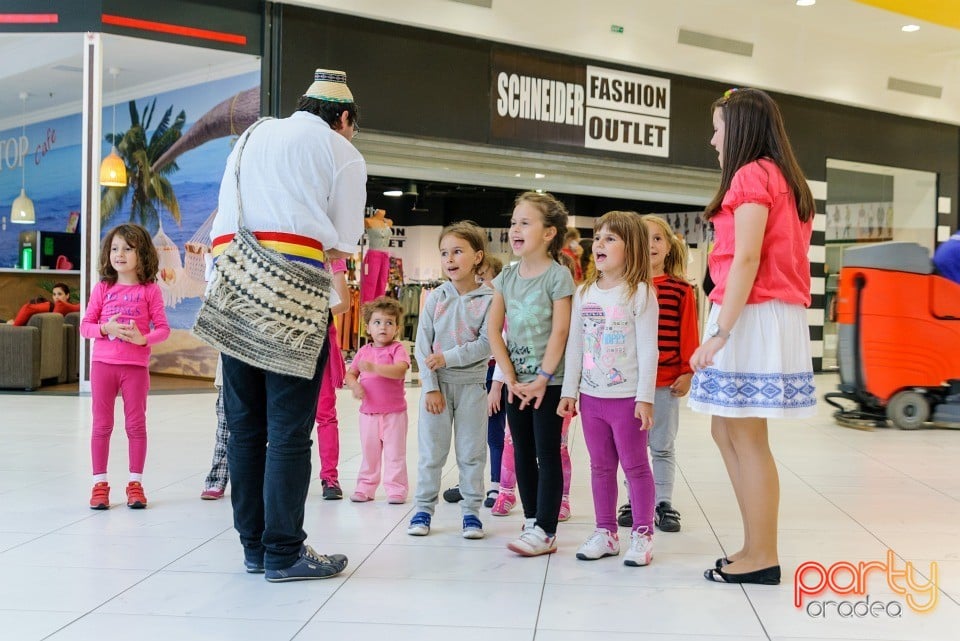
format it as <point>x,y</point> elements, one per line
<point>113,171</point>
<point>22,210</point>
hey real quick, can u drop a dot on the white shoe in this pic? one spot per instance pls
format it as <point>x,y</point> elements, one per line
<point>600,544</point>
<point>641,549</point>
<point>534,542</point>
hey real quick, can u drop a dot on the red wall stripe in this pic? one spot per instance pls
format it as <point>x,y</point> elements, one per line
<point>179,30</point>
<point>29,18</point>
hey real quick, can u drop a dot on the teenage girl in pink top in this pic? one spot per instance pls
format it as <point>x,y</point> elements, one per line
<point>124,318</point>
<point>754,361</point>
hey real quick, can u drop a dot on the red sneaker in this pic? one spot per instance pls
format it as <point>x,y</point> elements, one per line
<point>100,498</point>
<point>135,497</point>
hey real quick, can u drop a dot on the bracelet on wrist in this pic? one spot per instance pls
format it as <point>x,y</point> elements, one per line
<point>547,375</point>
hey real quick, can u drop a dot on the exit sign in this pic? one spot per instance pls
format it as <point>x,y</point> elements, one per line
<point>615,28</point>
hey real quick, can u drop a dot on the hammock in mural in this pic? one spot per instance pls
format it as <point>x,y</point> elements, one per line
<point>195,255</point>
<point>170,276</point>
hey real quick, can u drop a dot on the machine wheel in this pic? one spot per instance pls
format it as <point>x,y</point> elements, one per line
<point>908,410</point>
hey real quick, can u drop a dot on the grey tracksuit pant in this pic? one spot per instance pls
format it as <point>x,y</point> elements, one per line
<point>465,421</point>
<point>663,437</point>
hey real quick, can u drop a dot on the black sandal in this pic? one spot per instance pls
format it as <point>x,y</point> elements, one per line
<point>766,576</point>
<point>721,562</point>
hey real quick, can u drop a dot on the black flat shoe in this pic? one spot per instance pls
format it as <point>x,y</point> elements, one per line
<point>721,562</point>
<point>766,576</point>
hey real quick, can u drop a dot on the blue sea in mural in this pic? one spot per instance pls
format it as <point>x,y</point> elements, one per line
<point>52,175</point>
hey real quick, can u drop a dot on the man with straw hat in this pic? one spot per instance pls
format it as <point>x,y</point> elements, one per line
<point>303,188</point>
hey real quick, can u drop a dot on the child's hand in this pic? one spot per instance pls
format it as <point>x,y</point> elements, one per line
<point>131,334</point>
<point>494,398</point>
<point>435,362</point>
<point>111,327</point>
<point>681,386</point>
<point>703,356</point>
<point>365,366</point>
<point>435,402</point>
<point>644,412</point>
<point>532,391</point>
<point>357,390</point>
<point>567,407</point>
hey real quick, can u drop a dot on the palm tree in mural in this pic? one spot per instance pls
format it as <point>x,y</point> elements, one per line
<point>146,187</point>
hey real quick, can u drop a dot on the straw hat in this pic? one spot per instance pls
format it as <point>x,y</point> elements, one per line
<point>329,85</point>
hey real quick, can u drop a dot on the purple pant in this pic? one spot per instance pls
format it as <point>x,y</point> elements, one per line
<point>614,436</point>
<point>132,382</point>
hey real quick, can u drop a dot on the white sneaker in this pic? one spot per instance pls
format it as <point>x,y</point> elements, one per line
<point>534,542</point>
<point>641,549</point>
<point>600,544</point>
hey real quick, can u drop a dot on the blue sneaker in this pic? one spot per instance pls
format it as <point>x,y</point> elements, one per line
<point>419,524</point>
<point>472,527</point>
<point>253,567</point>
<point>309,565</point>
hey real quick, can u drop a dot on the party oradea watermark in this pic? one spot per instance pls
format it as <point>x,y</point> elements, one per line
<point>815,587</point>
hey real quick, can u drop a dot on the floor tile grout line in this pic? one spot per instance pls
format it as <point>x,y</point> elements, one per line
<point>873,457</point>
<point>722,549</point>
<point>200,544</point>
<point>865,529</point>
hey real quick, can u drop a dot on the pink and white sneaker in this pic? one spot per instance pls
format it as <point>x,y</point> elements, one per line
<point>504,503</point>
<point>564,514</point>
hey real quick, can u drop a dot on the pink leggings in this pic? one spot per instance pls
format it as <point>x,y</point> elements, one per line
<point>508,476</point>
<point>132,382</point>
<point>376,270</point>
<point>328,425</point>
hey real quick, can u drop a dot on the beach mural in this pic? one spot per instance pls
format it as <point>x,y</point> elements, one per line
<point>175,145</point>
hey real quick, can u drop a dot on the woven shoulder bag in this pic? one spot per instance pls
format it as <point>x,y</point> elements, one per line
<point>262,308</point>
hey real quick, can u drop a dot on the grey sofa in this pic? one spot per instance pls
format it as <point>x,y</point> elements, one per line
<point>32,354</point>
<point>70,373</point>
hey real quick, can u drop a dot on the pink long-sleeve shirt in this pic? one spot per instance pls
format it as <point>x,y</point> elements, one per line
<point>142,304</point>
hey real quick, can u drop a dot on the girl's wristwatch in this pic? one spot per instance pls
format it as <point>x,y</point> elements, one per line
<point>715,330</point>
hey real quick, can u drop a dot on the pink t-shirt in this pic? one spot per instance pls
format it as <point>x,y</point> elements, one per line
<point>784,272</point>
<point>142,304</point>
<point>381,395</point>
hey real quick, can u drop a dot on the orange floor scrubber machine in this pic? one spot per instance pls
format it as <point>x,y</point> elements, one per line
<point>898,332</point>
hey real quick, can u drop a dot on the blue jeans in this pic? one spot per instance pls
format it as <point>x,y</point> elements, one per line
<point>269,483</point>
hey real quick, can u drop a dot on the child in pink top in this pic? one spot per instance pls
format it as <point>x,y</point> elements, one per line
<point>124,318</point>
<point>376,378</point>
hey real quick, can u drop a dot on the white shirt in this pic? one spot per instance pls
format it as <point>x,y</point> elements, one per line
<point>612,348</point>
<point>298,176</point>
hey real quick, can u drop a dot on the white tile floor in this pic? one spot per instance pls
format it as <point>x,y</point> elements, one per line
<point>174,571</point>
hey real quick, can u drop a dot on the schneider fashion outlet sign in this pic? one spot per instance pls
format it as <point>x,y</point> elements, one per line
<point>586,106</point>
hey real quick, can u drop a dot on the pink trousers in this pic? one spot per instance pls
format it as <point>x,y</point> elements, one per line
<point>328,425</point>
<point>132,382</point>
<point>376,270</point>
<point>383,436</point>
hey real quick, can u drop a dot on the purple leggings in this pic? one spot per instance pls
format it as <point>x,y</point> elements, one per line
<point>614,436</point>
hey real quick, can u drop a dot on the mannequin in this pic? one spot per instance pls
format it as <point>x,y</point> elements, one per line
<point>376,262</point>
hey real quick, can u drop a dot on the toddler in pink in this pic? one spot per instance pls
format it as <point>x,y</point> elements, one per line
<point>376,378</point>
<point>124,317</point>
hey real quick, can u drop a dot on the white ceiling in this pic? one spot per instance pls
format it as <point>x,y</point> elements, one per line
<point>49,67</point>
<point>837,50</point>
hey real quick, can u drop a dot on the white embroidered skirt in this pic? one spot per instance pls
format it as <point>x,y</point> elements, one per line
<point>764,370</point>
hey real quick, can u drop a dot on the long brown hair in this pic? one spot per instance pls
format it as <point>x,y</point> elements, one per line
<point>148,263</point>
<point>675,262</point>
<point>636,249</point>
<point>554,214</point>
<point>753,129</point>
